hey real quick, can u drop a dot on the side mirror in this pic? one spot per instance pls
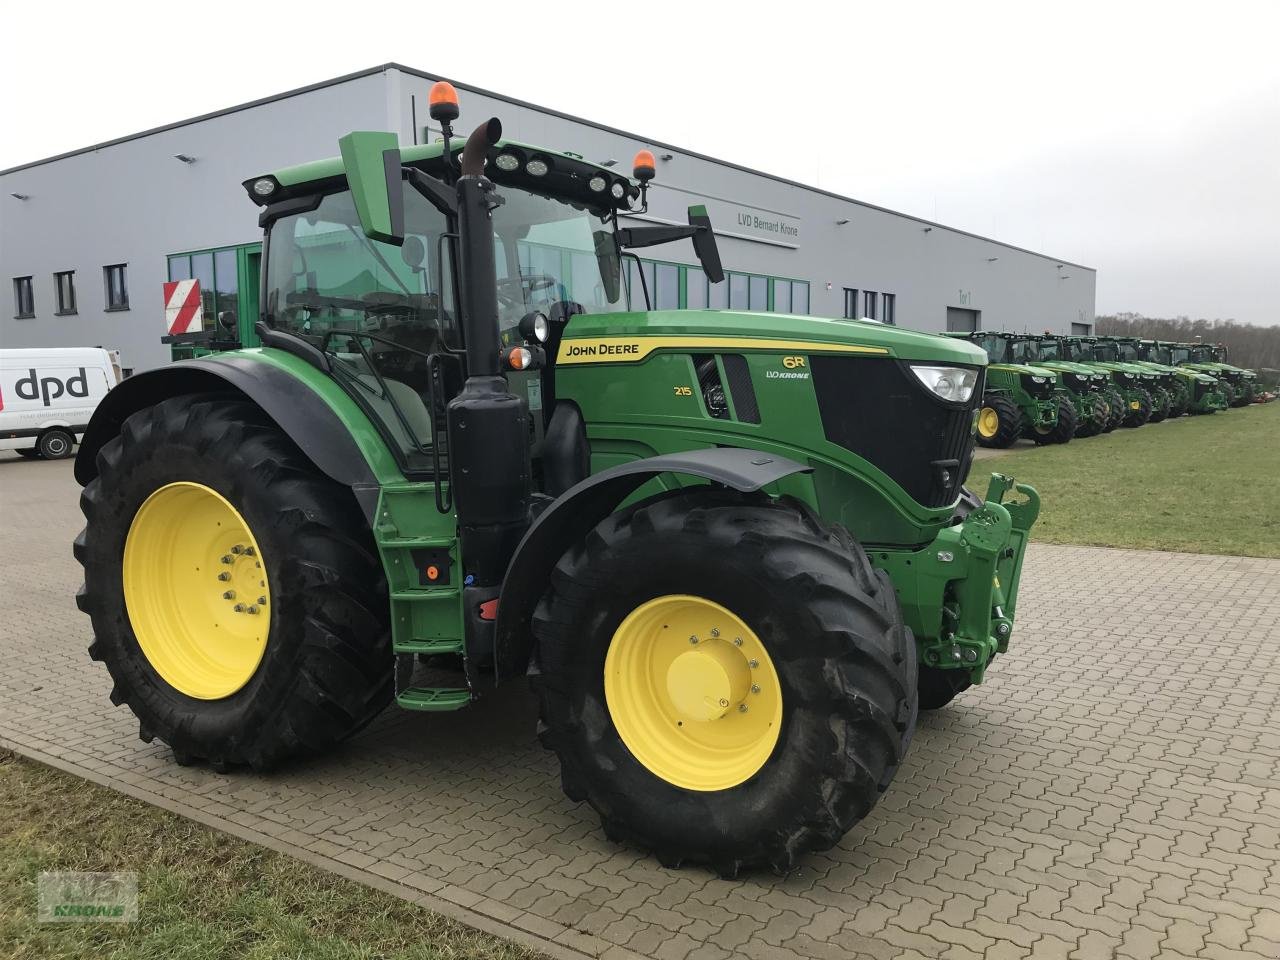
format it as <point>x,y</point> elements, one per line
<point>372,163</point>
<point>704,243</point>
<point>414,253</point>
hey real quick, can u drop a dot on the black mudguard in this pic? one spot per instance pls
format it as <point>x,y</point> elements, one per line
<point>295,408</point>
<point>573,515</point>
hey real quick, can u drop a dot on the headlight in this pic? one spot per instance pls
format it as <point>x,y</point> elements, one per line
<point>264,186</point>
<point>618,190</point>
<point>597,184</point>
<point>950,383</point>
<point>507,162</point>
<point>536,167</point>
<point>1038,379</point>
<point>535,326</point>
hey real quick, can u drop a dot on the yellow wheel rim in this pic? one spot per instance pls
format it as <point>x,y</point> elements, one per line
<point>196,592</point>
<point>988,422</point>
<point>693,693</point>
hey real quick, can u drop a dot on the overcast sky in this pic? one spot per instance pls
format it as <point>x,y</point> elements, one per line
<point>1139,138</point>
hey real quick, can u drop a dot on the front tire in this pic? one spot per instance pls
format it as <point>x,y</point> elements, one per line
<point>1063,429</point>
<point>1138,417</point>
<point>999,421</point>
<point>715,567</point>
<point>235,594</point>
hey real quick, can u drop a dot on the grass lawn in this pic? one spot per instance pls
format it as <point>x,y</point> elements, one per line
<point>1206,484</point>
<point>202,895</point>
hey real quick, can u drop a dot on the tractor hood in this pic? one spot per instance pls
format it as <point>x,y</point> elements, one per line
<point>1031,371</point>
<point>595,336</point>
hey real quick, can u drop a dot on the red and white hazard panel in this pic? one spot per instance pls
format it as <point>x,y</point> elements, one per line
<point>183,312</point>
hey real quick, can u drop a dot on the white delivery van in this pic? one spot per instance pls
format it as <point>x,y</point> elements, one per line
<point>48,395</point>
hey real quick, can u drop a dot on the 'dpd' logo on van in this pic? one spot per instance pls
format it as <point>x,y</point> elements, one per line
<point>51,388</point>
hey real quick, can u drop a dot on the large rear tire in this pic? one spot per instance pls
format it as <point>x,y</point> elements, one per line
<point>999,421</point>
<point>235,594</point>
<point>675,583</point>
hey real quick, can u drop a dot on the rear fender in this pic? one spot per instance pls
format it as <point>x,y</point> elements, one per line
<point>296,408</point>
<point>575,513</point>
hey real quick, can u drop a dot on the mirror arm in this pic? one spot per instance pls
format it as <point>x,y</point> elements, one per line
<point>634,237</point>
<point>438,194</point>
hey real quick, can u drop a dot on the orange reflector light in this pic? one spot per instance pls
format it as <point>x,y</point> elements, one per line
<point>519,358</point>
<point>644,166</point>
<point>489,609</point>
<point>443,101</point>
<point>433,572</point>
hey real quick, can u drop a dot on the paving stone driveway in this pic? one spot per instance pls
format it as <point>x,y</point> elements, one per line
<point>1112,791</point>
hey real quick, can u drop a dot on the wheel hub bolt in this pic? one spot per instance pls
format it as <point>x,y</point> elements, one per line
<point>724,702</point>
<point>224,576</point>
<point>262,601</point>
<point>715,632</point>
<point>249,552</point>
<point>742,708</point>
<point>737,641</point>
<point>755,688</point>
<point>227,558</point>
<point>229,595</point>
<point>693,639</point>
<point>252,609</point>
<point>238,608</point>
<point>753,663</point>
<point>237,549</point>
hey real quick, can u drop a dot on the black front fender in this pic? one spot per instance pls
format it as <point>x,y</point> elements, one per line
<point>573,515</point>
<point>295,408</point>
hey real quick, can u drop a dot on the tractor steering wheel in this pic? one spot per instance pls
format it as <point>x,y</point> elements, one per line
<point>514,291</point>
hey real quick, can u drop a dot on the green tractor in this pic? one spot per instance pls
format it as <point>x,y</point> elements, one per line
<point>732,551</point>
<point>1137,387</point>
<point>1058,353</point>
<point>1160,383</point>
<point>1084,388</point>
<point>1020,400</point>
<point>1193,392</point>
<point>1239,385</point>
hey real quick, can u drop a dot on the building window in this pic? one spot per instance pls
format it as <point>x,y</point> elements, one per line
<point>117,287</point>
<point>759,298</point>
<point>800,297</point>
<point>718,293</point>
<point>695,289</point>
<point>64,284</point>
<point>782,296</point>
<point>24,301</point>
<point>667,296</point>
<point>850,303</point>
<point>739,286</point>
<point>887,303</point>
<point>869,305</point>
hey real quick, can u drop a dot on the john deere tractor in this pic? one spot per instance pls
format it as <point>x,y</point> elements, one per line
<point>1051,352</point>
<point>1239,384</point>
<point>1159,384</point>
<point>1020,400</point>
<point>1190,390</point>
<point>1133,384</point>
<point>1209,392</point>
<point>732,551</point>
<point>1083,387</point>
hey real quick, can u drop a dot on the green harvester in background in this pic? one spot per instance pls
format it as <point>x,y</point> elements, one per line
<point>731,551</point>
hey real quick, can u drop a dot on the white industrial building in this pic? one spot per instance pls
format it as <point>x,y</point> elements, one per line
<point>87,238</point>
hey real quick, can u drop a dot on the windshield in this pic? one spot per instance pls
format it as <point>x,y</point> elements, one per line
<point>1051,350</point>
<point>1202,354</point>
<point>1026,351</point>
<point>1180,354</point>
<point>548,251</point>
<point>1128,352</point>
<point>1106,352</point>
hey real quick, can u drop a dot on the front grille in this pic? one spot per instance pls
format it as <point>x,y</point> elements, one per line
<point>1041,390</point>
<point>867,406</point>
<point>1202,388</point>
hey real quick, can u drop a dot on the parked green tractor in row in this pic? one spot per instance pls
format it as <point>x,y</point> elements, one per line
<point>1134,385</point>
<point>1239,385</point>
<point>1084,387</point>
<point>732,551</point>
<point>1190,390</point>
<point>1020,400</point>
<point>1051,351</point>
